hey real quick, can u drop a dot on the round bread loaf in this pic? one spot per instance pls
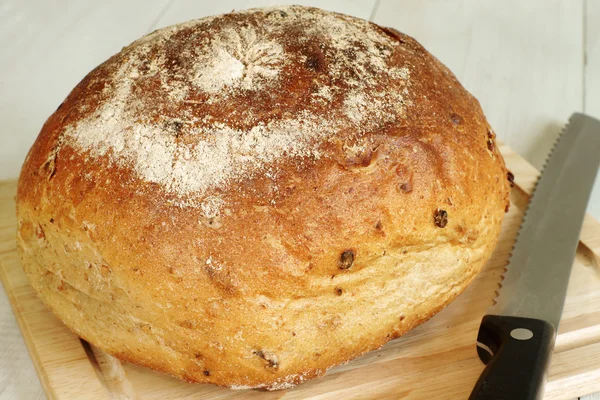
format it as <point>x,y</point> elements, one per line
<point>252,198</point>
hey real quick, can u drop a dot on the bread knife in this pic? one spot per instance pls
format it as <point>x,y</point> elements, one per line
<point>517,334</point>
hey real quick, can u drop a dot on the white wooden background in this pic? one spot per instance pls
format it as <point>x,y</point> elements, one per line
<point>530,63</point>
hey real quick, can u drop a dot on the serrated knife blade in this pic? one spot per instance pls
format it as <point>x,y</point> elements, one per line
<point>517,335</point>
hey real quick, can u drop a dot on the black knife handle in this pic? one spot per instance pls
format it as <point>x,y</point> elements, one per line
<point>517,360</point>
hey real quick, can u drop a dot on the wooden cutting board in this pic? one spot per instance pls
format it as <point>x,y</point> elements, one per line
<point>437,360</point>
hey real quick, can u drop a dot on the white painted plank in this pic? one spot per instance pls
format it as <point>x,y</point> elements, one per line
<point>184,10</point>
<point>592,39</point>
<point>592,80</point>
<point>47,48</point>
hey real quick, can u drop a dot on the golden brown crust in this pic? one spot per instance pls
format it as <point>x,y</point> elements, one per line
<point>310,260</point>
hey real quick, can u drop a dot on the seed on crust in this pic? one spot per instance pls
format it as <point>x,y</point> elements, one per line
<point>511,178</point>
<point>441,218</point>
<point>346,259</point>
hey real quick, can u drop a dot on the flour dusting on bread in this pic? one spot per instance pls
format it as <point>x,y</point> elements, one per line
<point>237,58</point>
<point>155,116</point>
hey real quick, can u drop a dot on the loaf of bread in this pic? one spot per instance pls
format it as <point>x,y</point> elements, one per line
<point>252,198</point>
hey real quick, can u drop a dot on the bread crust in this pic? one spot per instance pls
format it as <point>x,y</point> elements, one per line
<point>309,260</point>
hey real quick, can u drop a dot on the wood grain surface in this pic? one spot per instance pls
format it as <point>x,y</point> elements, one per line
<point>435,360</point>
